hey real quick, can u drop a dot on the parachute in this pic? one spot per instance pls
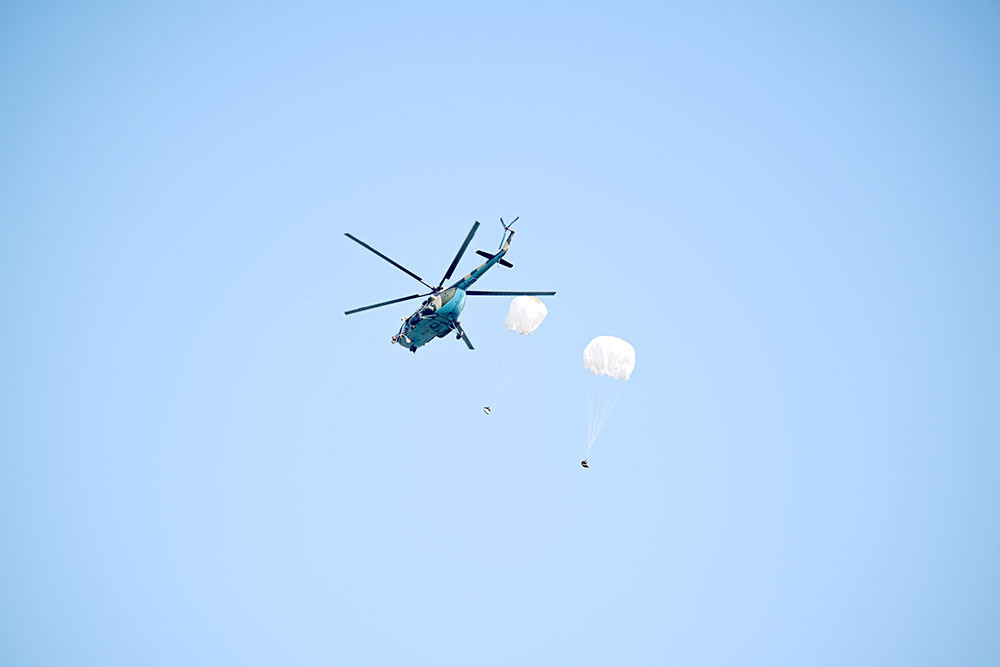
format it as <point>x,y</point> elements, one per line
<point>525,314</point>
<point>610,362</point>
<point>523,317</point>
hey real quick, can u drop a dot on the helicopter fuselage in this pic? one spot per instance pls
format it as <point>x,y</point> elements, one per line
<point>436,318</point>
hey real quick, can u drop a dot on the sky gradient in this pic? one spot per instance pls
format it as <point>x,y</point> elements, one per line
<point>791,212</point>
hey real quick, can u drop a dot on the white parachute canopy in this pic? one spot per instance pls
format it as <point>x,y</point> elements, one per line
<point>607,355</point>
<point>610,362</point>
<point>525,314</point>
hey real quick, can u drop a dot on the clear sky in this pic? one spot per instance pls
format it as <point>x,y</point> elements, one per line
<point>792,213</point>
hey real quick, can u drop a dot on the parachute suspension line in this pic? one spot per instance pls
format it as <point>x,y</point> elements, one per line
<point>523,317</point>
<point>591,401</point>
<point>602,417</point>
<point>602,395</point>
<point>504,362</point>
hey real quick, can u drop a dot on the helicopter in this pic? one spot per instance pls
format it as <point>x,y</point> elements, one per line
<point>438,313</point>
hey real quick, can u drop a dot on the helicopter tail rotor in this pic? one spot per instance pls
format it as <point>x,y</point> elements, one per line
<point>507,228</point>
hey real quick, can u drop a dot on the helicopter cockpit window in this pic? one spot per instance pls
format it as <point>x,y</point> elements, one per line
<point>446,296</point>
<point>430,305</point>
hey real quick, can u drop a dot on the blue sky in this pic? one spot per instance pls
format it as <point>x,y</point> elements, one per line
<point>791,212</point>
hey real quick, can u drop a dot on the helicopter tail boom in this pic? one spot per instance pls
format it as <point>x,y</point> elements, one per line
<point>478,272</point>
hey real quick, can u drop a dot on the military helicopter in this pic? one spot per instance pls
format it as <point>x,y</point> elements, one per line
<point>438,314</point>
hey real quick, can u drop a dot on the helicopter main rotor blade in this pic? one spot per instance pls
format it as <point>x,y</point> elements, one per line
<point>461,251</point>
<point>394,263</point>
<point>384,303</point>
<point>473,292</point>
